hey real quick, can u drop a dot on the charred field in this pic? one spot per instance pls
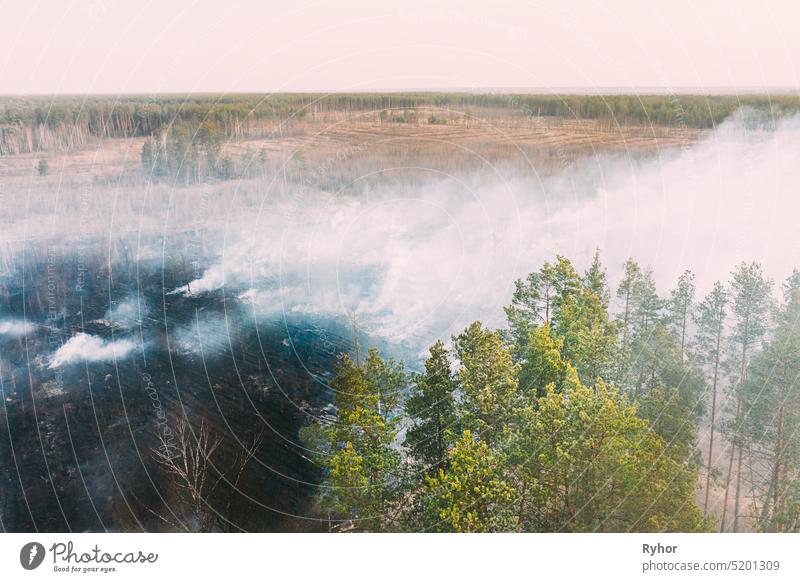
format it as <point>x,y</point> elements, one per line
<point>79,440</point>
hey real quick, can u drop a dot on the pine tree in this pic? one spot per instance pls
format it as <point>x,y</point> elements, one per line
<point>771,398</point>
<point>589,338</point>
<point>750,293</point>
<point>680,307</point>
<point>567,284</point>
<point>627,290</point>
<point>538,299</point>
<point>542,364</point>
<point>530,306</point>
<point>668,390</point>
<point>596,281</point>
<point>710,320</point>
<point>472,495</point>
<point>593,465</point>
<point>356,450</point>
<point>647,304</point>
<point>488,380</point>
<point>432,408</point>
<point>386,378</point>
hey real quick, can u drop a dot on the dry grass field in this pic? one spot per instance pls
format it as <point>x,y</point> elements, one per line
<point>437,138</point>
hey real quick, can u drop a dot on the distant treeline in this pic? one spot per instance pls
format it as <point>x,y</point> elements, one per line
<point>39,123</point>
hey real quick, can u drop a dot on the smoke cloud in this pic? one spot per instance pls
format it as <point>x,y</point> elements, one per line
<point>411,260</point>
<point>83,347</point>
<point>15,327</point>
<point>419,262</point>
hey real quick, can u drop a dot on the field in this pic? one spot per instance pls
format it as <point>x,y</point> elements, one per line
<point>333,147</point>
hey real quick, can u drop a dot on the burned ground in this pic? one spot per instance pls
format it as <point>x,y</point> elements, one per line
<point>78,441</point>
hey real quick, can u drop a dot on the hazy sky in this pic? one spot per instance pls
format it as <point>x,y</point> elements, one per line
<point>121,46</point>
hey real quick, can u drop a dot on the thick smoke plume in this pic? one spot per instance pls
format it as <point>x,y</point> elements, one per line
<point>88,348</point>
<point>415,263</point>
<point>415,260</point>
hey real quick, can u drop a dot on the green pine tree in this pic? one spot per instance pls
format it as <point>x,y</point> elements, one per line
<point>432,409</point>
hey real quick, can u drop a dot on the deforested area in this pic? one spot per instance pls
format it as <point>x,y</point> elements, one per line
<point>400,312</point>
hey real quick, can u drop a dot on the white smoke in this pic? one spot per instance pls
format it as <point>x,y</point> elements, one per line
<point>15,327</point>
<point>83,347</point>
<point>208,335</point>
<point>127,313</point>
<point>416,261</point>
<point>421,262</point>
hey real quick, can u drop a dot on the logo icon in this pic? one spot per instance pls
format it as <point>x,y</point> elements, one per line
<point>31,555</point>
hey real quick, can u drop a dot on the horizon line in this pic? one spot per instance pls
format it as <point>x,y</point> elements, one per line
<point>717,91</point>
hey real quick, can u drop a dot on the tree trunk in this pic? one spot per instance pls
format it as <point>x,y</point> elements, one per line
<point>776,478</point>
<point>683,330</point>
<point>742,379</point>
<point>738,491</point>
<point>728,478</point>
<point>713,418</point>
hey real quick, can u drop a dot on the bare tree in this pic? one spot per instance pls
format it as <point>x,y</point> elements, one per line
<point>189,457</point>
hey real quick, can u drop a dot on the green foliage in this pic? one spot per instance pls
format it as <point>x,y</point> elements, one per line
<point>488,381</point>
<point>186,153</point>
<point>542,365</point>
<point>626,291</point>
<point>680,307</point>
<point>432,408</point>
<point>673,415</point>
<point>750,307</point>
<point>710,320</point>
<point>750,294</point>
<point>43,167</point>
<point>652,365</point>
<point>386,379</point>
<point>669,389</point>
<point>471,496</point>
<point>708,350</point>
<point>589,337</point>
<point>596,281</point>
<point>646,303</point>
<point>356,451</point>
<point>575,314</point>
<point>593,465</point>
<point>539,298</point>
<point>549,443</point>
<point>771,398</point>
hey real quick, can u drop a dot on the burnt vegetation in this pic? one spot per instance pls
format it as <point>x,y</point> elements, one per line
<point>196,429</point>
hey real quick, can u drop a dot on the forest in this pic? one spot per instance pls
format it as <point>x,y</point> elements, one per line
<point>30,124</point>
<point>573,419</point>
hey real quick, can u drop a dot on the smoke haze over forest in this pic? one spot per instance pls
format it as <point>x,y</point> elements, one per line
<point>416,258</point>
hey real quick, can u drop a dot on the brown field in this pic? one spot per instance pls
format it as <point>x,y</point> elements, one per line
<point>455,141</point>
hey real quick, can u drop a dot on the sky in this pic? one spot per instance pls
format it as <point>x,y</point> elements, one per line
<point>121,46</point>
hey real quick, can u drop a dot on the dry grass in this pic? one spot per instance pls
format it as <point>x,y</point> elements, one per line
<point>365,143</point>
